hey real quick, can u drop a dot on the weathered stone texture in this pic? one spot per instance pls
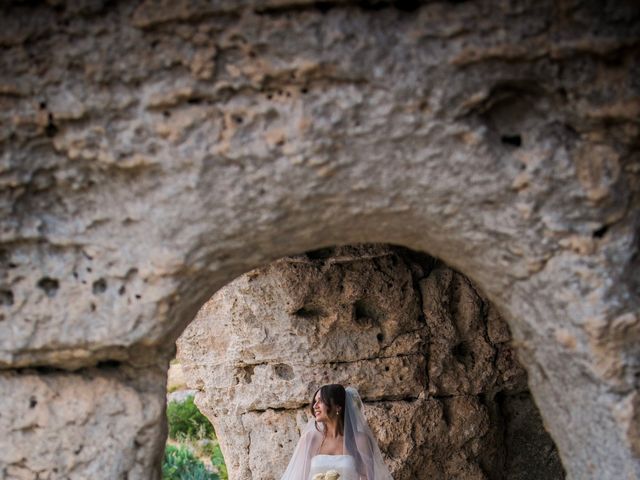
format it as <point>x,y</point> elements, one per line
<point>411,334</point>
<point>150,152</point>
<point>97,425</point>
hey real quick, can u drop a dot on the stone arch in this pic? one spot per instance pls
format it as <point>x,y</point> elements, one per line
<point>151,154</point>
<point>429,354</point>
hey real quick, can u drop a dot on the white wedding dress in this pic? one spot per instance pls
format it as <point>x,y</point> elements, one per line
<point>345,465</point>
<point>358,441</point>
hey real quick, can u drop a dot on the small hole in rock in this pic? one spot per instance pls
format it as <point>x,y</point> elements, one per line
<point>138,296</point>
<point>121,290</point>
<point>99,286</point>
<point>50,130</point>
<point>463,354</point>
<point>308,312</point>
<point>460,350</point>
<point>108,364</point>
<point>284,371</point>
<point>601,232</point>
<point>380,337</point>
<point>513,140</point>
<point>33,402</point>
<point>6,298</point>
<point>365,313</point>
<point>49,285</point>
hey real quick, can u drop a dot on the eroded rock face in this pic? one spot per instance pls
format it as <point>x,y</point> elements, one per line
<point>152,152</point>
<point>63,425</point>
<point>429,355</point>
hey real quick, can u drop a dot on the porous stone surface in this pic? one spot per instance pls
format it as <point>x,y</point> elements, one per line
<point>150,152</point>
<point>97,425</point>
<point>427,352</point>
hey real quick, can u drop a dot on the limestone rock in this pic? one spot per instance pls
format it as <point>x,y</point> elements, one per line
<point>151,152</point>
<point>281,329</point>
<point>38,408</point>
<point>467,352</point>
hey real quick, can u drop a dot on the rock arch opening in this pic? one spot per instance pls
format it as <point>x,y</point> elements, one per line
<point>152,151</point>
<point>428,351</point>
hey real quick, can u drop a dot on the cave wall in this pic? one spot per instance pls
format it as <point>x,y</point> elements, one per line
<point>151,152</point>
<point>427,351</point>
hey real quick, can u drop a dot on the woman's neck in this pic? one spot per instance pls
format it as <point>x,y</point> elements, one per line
<point>331,429</point>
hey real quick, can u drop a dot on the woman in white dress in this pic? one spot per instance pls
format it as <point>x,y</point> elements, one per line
<point>337,443</point>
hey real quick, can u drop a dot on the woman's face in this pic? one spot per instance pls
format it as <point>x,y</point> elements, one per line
<point>320,409</point>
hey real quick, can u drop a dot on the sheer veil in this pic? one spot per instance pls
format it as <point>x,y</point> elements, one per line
<point>359,442</point>
<point>307,447</point>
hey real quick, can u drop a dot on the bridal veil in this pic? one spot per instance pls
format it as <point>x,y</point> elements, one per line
<point>359,442</point>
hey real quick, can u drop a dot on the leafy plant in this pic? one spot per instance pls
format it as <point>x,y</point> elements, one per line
<point>218,460</point>
<point>186,421</point>
<point>196,440</point>
<point>180,464</point>
<point>204,447</point>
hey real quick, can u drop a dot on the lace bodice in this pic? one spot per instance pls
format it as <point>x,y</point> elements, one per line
<point>345,465</point>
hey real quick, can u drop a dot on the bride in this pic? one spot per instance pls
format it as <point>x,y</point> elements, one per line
<point>337,442</point>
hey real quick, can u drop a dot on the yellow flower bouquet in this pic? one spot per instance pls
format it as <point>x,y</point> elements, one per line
<point>330,475</point>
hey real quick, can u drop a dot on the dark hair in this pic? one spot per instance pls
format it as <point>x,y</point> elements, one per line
<point>333,396</point>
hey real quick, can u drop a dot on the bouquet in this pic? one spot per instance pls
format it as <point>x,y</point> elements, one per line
<point>330,475</point>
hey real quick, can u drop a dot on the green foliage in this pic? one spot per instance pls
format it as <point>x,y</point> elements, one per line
<point>197,440</point>
<point>180,464</point>
<point>205,447</point>
<point>186,421</point>
<point>218,461</point>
